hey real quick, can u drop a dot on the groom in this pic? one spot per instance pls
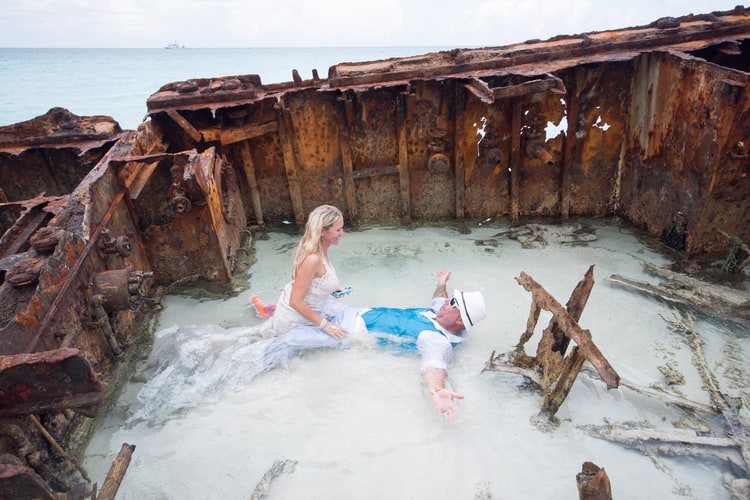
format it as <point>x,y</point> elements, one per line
<point>434,331</point>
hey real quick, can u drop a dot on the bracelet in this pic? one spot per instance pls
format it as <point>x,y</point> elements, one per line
<point>435,390</point>
<point>323,323</point>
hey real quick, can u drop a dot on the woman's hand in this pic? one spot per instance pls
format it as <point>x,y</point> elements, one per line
<point>334,330</point>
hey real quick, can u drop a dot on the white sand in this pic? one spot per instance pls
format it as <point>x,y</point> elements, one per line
<point>357,421</point>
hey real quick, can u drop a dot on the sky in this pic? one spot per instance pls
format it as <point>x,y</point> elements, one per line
<point>321,23</point>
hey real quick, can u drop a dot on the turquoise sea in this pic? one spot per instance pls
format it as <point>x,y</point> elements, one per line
<point>117,82</point>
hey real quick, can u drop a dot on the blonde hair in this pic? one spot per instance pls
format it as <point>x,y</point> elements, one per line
<point>319,220</point>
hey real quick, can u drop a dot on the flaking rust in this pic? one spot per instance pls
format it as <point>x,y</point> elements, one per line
<point>97,221</point>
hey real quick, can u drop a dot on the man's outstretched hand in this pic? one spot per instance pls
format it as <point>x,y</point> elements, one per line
<point>443,401</point>
<point>443,277</point>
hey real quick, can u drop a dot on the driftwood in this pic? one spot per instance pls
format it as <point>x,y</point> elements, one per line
<point>690,292</point>
<point>727,406</point>
<point>730,445</point>
<point>665,397</point>
<point>670,442</point>
<point>116,473</point>
<point>536,235</point>
<point>550,369</point>
<point>716,300</point>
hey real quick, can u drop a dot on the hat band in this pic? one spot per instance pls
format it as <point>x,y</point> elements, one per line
<point>466,310</point>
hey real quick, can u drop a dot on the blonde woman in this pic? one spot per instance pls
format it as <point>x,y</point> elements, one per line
<point>196,354</point>
<point>313,279</point>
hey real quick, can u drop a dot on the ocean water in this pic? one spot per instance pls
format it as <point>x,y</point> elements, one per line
<point>357,423</point>
<point>117,82</point>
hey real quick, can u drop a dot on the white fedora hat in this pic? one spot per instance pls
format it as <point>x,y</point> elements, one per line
<point>471,307</point>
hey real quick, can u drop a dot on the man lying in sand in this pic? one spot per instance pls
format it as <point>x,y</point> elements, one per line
<point>433,330</point>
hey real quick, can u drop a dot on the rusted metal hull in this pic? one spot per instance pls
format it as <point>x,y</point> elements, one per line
<point>642,123</point>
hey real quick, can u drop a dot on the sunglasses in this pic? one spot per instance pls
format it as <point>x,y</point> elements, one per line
<point>454,303</point>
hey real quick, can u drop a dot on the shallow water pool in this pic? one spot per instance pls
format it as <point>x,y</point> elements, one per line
<point>357,423</point>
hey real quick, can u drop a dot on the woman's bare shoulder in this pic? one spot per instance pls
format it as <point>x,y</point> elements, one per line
<point>313,263</point>
<point>313,259</point>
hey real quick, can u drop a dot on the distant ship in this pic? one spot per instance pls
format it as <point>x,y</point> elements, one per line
<point>174,45</point>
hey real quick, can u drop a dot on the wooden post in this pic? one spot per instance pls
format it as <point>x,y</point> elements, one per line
<point>403,158</point>
<point>553,373</point>
<point>515,159</point>
<point>570,327</point>
<point>593,483</point>
<point>568,374</point>
<point>231,135</point>
<point>345,124</point>
<point>459,151</point>
<point>558,342</point>
<point>569,152</point>
<point>286,134</point>
<point>249,166</point>
<point>531,322</point>
<point>185,125</point>
<point>116,473</point>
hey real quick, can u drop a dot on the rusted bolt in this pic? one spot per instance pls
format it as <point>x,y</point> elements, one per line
<point>493,155</point>
<point>24,272</point>
<point>187,87</point>
<point>45,239</point>
<point>438,163</point>
<point>738,151</point>
<point>123,246</point>
<point>437,146</point>
<point>181,203</point>
<point>120,245</point>
<point>535,149</point>
<point>667,23</point>
<point>230,84</point>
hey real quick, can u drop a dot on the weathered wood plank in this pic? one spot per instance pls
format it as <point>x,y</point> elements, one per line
<point>481,90</point>
<point>185,125</point>
<point>580,336</point>
<point>116,473</point>
<point>244,133</point>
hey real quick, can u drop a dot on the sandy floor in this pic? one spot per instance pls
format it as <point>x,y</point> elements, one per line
<point>356,423</point>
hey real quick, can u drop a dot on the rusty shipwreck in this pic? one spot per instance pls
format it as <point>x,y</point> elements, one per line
<point>653,125</point>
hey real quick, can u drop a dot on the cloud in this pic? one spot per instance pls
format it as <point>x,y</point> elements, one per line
<point>304,23</point>
<point>74,23</point>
